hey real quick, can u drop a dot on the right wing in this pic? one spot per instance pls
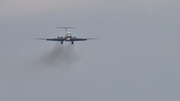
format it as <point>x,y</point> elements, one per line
<point>83,39</point>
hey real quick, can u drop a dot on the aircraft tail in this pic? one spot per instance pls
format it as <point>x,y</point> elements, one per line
<point>65,28</point>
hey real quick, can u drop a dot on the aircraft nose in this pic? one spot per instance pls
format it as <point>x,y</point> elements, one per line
<point>67,39</point>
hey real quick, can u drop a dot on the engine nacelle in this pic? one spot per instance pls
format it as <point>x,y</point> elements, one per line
<point>74,37</point>
<point>58,37</point>
<point>72,42</point>
<point>61,37</point>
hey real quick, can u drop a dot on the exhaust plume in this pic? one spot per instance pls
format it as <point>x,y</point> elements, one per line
<point>60,56</point>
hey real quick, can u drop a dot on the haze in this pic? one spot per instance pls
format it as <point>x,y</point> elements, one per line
<point>136,58</point>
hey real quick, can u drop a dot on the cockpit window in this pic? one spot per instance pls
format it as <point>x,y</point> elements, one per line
<point>68,33</point>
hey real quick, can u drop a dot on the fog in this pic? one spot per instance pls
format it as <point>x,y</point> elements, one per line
<point>136,58</point>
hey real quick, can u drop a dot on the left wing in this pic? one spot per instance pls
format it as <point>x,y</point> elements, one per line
<point>51,39</point>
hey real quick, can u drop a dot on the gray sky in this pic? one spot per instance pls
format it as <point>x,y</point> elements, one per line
<point>136,58</point>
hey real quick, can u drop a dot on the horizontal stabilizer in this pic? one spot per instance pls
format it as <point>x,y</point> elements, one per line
<point>65,27</point>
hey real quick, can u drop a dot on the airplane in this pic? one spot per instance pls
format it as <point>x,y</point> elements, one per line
<point>68,37</point>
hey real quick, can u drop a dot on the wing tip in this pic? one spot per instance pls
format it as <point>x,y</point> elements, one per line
<point>93,38</point>
<point>40,39</point>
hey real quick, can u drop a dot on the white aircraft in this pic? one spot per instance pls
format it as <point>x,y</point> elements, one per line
<point>67,38</point>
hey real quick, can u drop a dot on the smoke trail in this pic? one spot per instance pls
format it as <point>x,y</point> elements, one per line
<point>60,56</point>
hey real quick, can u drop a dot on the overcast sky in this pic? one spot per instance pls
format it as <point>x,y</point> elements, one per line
<point>137,57</point>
